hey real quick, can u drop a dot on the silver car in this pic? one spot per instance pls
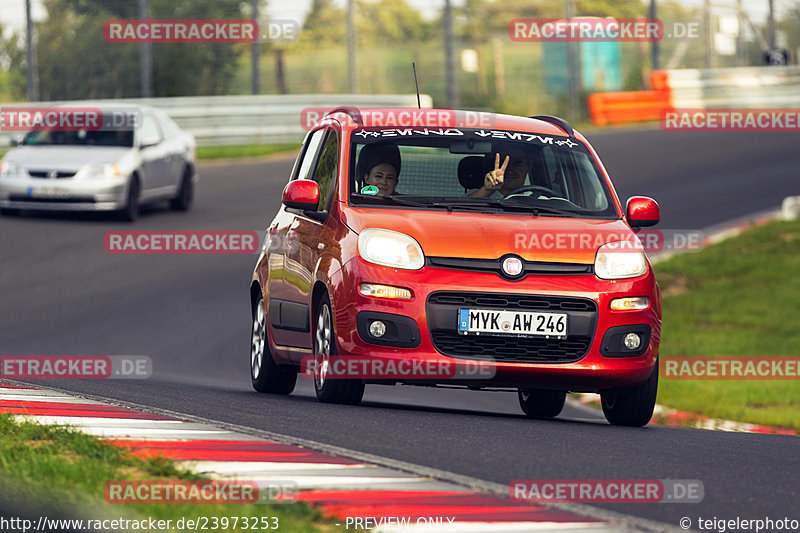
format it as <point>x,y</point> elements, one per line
<point>117,167</point>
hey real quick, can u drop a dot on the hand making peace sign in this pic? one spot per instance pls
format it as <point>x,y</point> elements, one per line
<point>494,179</point>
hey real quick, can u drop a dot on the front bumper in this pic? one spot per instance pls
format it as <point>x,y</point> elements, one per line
<point>63,194</point>
<point>541,362</point>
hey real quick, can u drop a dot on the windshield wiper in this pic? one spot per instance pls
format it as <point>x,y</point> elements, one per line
<point>397,200</point>
<point>537,209</point>
<point>477,204</point>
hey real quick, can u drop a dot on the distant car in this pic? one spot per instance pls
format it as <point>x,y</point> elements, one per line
<point>390,253</point>
<point>107,169</point>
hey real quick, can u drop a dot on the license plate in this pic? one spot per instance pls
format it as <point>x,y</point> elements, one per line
<point>48,192</point>
<point>516,323</point>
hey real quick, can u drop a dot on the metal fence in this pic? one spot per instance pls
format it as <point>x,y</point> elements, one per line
<point>247,119</point>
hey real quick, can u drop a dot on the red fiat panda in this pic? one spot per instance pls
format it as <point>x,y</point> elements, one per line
<point>490,256</point>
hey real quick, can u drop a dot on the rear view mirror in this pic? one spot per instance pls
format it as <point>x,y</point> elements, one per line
<point>471,147</point>
<point>16,140</point>
<point>642,211</point>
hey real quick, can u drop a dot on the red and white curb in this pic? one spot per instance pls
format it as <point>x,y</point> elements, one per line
<point>339,486</point>
<point>667,416</point>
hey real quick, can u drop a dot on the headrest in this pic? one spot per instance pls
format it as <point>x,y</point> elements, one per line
<point>471,171</point>
<point>375,154</point>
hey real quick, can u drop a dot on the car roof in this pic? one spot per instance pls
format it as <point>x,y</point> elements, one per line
<point>353,118</point>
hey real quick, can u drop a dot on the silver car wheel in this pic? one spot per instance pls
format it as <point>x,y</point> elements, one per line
<point>322,345</point>
<point>258,341</point>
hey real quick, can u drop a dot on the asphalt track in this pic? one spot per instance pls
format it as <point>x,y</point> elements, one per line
<point>61,293</point>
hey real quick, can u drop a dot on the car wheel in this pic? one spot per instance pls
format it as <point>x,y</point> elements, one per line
<point>183,200</point>
<point>9,212</point>
<point>265,373</point>
<point>130,212</point>
<point>345,391</point>
<point>633,407</point>
<point>537,403</point>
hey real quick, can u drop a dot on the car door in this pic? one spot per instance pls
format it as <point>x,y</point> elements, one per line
<point>153,153</point>
<point>285,312</point>
<point>175,151</point>
<point>306,238</point>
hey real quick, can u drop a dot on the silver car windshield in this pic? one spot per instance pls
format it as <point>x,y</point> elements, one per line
<point>120,137</point>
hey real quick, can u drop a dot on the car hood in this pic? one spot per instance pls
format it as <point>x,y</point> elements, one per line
<point>490,236</point>
<point>64,157</point>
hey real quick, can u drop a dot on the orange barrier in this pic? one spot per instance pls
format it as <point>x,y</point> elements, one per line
<point>632,106</point>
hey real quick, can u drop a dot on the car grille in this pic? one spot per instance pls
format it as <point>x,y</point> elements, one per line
<point>442,312</point>
<point>47,174</point>
<point>55,200</point>
<point>522,302</point>
<point>493,266</point>
<point>512,349</point>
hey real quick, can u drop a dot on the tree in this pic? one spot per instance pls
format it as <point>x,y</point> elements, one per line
<point>13,82</point>
<point>324,26</point>
<point>75,61</point>
<point>392,22</point>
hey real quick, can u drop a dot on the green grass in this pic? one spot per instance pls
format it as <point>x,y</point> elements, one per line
<point>736,298</point>
<point>64,472</point>
<point>244,150</point>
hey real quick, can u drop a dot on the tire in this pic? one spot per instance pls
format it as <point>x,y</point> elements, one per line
<point>342,391</point>
<point>538,403</point>
<point>633,407</point>
<point>265,374</point>
<point>130,212</point>
<point>9,212</point>
<point>183,199</point>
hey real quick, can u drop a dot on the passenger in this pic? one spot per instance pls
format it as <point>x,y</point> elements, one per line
<point>504,178</point>
<point>380,167</point>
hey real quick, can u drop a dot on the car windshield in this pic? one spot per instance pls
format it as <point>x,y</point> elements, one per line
<point>419,168</point>
<point>119,137</point>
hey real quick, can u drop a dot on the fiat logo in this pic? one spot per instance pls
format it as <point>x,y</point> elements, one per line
<point>512,266</point>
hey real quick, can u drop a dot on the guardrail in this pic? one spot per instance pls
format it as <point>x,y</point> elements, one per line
<point>741,87</point>
<point>246,119</point>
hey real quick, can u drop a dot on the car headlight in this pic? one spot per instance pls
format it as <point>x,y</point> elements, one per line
<point>9,169</point>
<point>101,171</point>
<point>620,260</point>
<point>390,248</point>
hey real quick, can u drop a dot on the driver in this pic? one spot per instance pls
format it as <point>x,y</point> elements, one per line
<point>506,177</point>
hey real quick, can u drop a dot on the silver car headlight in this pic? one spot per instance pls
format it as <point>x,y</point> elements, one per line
<point>390,248</point>
<point>101,171</point>
<point>620,260</point>
<point>9,169</point>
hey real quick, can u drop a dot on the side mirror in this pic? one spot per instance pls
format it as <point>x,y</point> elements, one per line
<point>642,211</point>
<point>147,142</point>
<point>16,140</point>
<point>301,194</point>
